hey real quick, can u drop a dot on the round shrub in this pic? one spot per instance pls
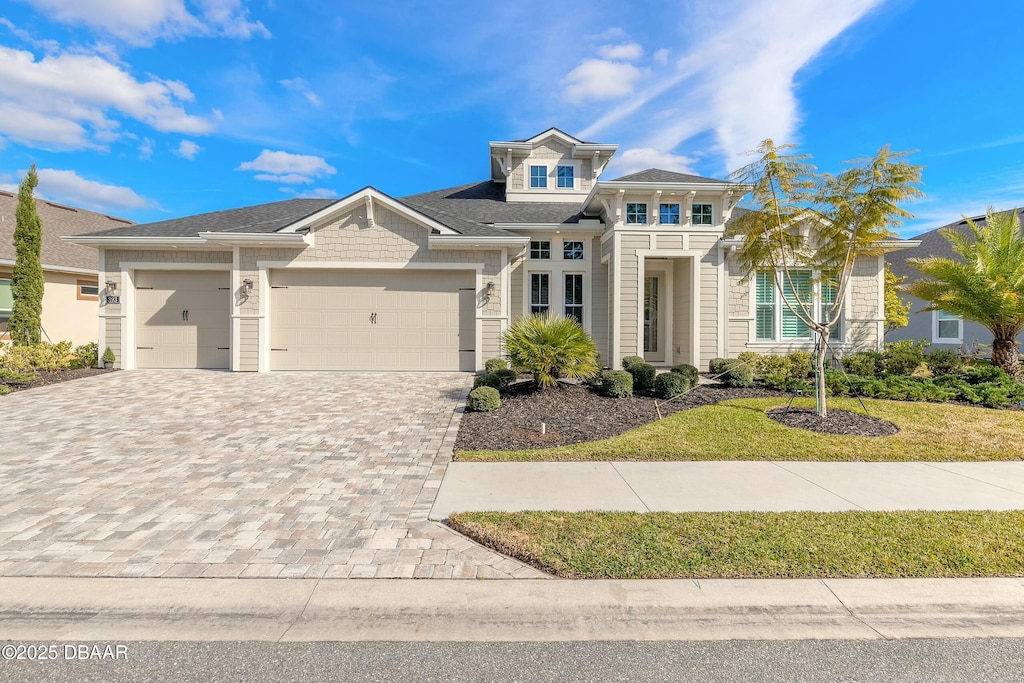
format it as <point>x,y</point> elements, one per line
<point>670,384</point>
<point>506,375</point>
<point>491,380</point>
<point>736,374</point>
<point>689,372</point>
<point>801,363</point>
<point>484,399</point>
<point>617,384</point>
<point>863,364</point>
<point>778,380</point>
<point>716,366</point>
<point>943,362</point>
<point>902,357</point>
<point>643,376</point>
<point>758,363</point>
<point>495,364</point>
<point>630,361</point>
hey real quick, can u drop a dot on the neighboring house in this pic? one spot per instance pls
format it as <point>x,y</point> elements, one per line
<point>71,284</point>
<point>940,329</point>
<point>431,281</point>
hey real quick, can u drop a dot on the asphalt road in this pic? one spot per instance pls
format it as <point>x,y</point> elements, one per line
<point>973,660</point>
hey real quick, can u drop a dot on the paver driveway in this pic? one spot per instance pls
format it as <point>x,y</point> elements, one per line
<point>193,473</point>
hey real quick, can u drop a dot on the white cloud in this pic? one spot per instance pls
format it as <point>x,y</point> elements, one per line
<point>282,167</point>
<point>188,150</point>
<point>625,51</point>
<point>300,86</point>
<point>642,158</point>
<point>599,79</point>
<point>68,100</point>
<point>141,22</point>
<point>742,72</point>
<point>661,56</point>
<point>146,149</point>
<point>312,193</point>
<point>25,36</point>
<point>70,188</point>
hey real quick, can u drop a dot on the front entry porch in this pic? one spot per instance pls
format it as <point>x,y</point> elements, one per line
<point>668,304</point>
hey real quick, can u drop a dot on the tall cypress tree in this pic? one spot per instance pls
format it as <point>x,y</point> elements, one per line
<point>25,324</point>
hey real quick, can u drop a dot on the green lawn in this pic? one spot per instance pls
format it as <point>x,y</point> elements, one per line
<point>629,545</point>
<point>740,430</point>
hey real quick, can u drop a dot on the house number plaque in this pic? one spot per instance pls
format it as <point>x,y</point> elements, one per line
<point>113,299</point>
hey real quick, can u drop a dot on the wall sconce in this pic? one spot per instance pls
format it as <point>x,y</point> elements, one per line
<point>111,285</point>
<point>247,286</point>
<point>490,288</point>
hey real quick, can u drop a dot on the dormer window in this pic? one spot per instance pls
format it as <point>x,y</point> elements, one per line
<point>669,214</point>
<point>566,177</point>
<point>539,176</point>
<point>702,214</point>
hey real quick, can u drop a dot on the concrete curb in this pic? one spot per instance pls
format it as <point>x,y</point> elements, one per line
<point>300,610</point>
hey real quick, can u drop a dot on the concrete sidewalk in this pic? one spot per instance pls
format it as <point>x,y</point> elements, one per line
<point>306,610</point>
<point>720,486</point>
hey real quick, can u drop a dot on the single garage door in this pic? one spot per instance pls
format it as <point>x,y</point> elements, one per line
<point>372,320</point>
<point>183,319</point>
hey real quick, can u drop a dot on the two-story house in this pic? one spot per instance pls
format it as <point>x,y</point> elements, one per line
<point>431,281</point>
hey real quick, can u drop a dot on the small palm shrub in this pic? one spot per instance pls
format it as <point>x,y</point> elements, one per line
<point>671,384</point>
<point>495,364</point>
<point>689,372</point>
<point>643,376</point>
<point>484,400</point>
<point>943,362</point>
<point>551,347</point>
<point>617,384</point>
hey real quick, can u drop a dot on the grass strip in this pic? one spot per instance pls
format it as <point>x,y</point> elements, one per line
<point>740,430</point>
<point>661,545</point>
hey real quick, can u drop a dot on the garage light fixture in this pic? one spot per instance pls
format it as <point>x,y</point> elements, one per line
<point>247,286</point>
<point>490,288</point>
<point>111,285</point>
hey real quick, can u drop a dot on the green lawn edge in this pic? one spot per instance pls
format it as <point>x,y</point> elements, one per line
<point>630,545</point>
<point>740,430</point>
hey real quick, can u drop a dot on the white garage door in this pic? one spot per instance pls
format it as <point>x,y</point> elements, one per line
<point>372,320</point>
<point>182,319</point>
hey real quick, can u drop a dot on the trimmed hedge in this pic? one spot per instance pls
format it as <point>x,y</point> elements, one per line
<point>671,384</point>
<point>495,364</point>
<point>630,361</point>
<point>736,374</point>
<point>488,380</point>
<point>643,376</point>
<point>484,399</point>
<point>617,384</point>
<point>689,372</point>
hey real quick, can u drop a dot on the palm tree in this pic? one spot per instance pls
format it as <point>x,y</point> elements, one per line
<point>987,286</point>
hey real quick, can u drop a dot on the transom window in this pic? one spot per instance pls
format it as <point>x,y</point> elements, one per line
<point>572,251</point>
<point>574,296</point>
<point>702,214</point>
<point>636,214</point>
<point>539,293</point>
<point>775,320</point>
<point>669,214</point>
<point>948,327</point>
<point>538,176</point>
<point>88,291</point>
<point>540,249</point>
<point>6,304</point>
<point>566,177</point>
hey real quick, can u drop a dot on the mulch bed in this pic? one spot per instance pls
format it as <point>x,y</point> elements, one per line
<point>836,422</point>
<point>47,377</point>
<point>575,414</point>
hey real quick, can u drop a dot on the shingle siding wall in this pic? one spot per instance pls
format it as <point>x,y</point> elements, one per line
<point>550,151</point>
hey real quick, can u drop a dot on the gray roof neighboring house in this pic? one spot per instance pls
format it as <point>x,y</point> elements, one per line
<point>656,175</point>
<point>58,220</point>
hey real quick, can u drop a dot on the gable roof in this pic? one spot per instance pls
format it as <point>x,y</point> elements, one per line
<point>554,129</point>
<point>933,244</point>
<point>657,175</point>
<point>58,220</point>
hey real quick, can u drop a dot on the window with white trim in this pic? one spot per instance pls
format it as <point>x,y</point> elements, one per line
<point>540,292</point>
<point>566,177</point>
<point>775,319</point>
<point>947,328</point>
<point>636,214</point>
<point>6,304</point>
<point>539,176</point>
<point>540,249</point>
<point>669,214</point>
<point>701,214</point>
<point>572,251</point>
<point>574,296</point>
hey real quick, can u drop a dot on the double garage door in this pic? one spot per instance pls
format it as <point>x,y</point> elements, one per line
<point>372,320</point>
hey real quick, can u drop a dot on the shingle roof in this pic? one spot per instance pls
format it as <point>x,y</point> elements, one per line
<point>932,244</point>
<point>470,208</point>
<point>657,175</point>
<point>260,218</point>
<point>58,220</point>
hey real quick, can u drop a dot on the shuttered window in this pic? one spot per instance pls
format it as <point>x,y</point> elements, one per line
<point>796,288</point>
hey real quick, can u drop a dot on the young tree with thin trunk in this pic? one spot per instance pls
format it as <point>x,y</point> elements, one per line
<point>25,324</point>
<point>987,286</point>
<point>822,223</point>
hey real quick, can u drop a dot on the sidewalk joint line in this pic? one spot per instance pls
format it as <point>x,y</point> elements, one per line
<point>642,501</point>
<point>302,612</point>
<point>778,463</point>
<point>966,476</point>
<point>850,611</point>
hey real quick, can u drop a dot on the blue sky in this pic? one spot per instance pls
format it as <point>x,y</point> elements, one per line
<point>150,109</point>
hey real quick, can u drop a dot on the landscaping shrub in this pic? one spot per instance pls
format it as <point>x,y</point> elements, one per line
<point>484,399</point>
<point>8,377</point>
<point>506,375</point>
<point>863,364</point>
<point>671,384</point>
<point>40,356</point>
<point>943,362</point>
<point>495,364</point>
<point>756,361</point>
<point>736,374</point>
<point>643,376</point>
<point>801,363</point>
<point>617,384</point>
<point>799,384</point>
<point>836,383</point>
<point>86,356</point>
<point>489,379</point>
<point>630,361</point>
<point>993,395</point>
<point>716,366</point>
<point>18,359</point>
<point>979,373</point>
<point>689,372</point>
<point>4,390</point>
<point>902,357</point>
<point>551,347</point>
